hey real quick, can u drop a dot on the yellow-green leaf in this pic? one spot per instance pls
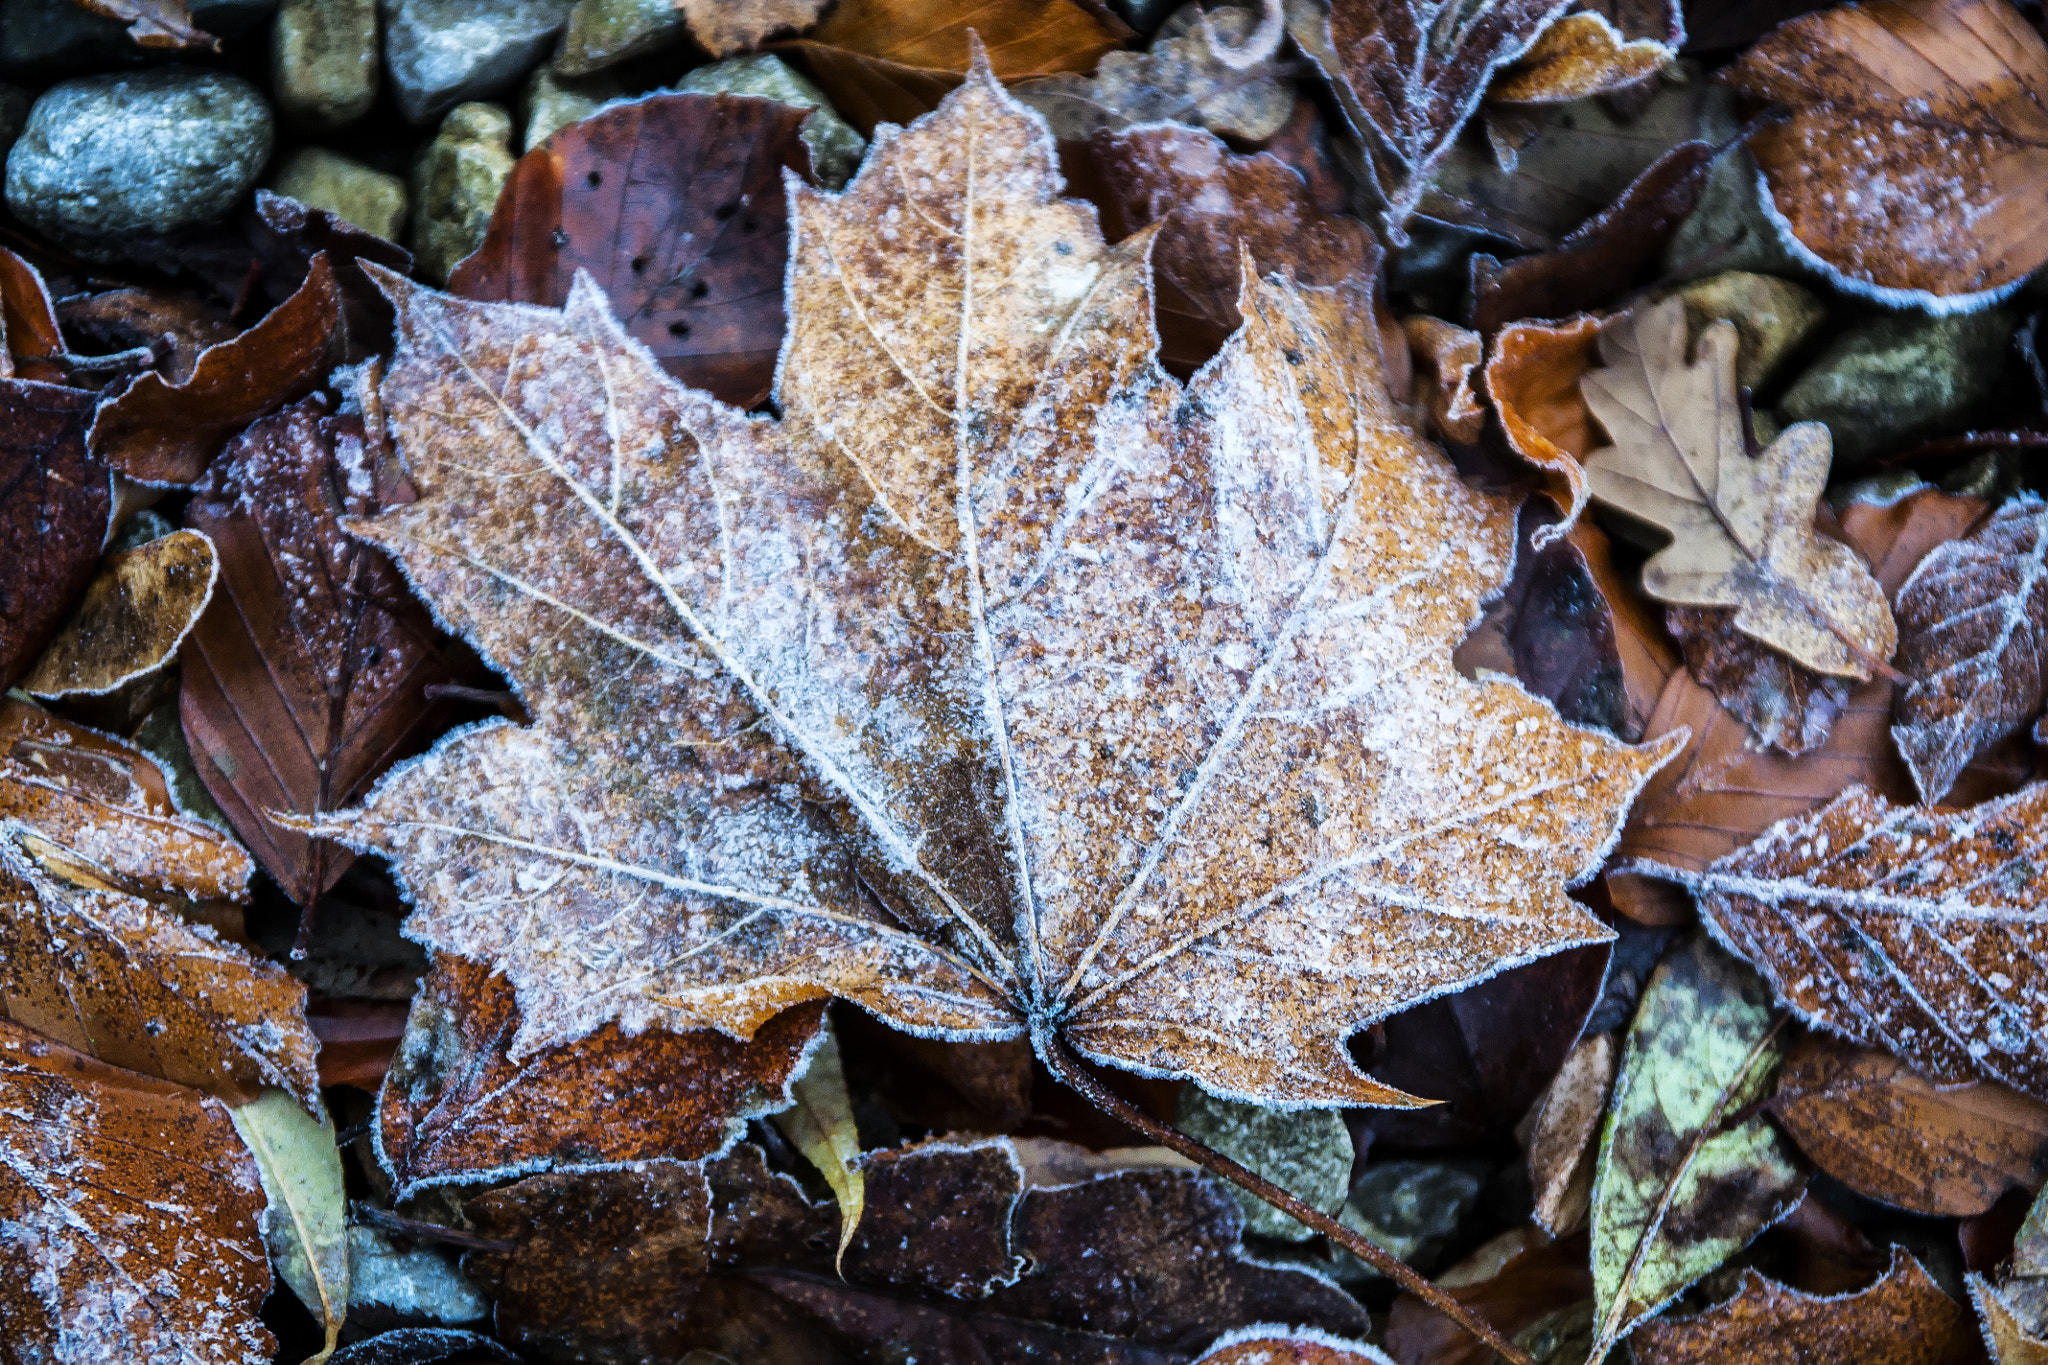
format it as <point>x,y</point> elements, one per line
<point>821,1125</point>
<point>306,1226</point>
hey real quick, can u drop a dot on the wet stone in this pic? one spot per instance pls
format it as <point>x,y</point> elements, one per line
<point>346,188</point>
<point>1304,1151</point>
<point>323,60</point>
<point>1730,229</point>
<point>418,1287</point>
<point>104,156</point>
<point>1772,318</point>
<point>551,102</point>
<point>455,184</point>
<point>603,33</point>
<point>836,149</point>
<point>440,53</point>
<point>1883,386</point>
<point>1414,1208</point>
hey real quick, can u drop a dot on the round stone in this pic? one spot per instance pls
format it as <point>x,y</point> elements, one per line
<point>137,152</point>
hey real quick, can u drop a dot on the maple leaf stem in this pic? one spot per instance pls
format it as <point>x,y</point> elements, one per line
<point>1072,1072</point>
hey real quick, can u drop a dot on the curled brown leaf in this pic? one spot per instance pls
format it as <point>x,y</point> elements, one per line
<point>133,618</point>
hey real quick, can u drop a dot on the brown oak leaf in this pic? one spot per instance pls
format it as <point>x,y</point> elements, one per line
<point>1408,75</point>
<point>1973,626</point>
<point>888,61</point>
<point>101,948</point>
<point>1916,139</point>
<point>455,1105</point>
<point>1914,930</point>
<point>56,506</point>
<point>1870,1122</point>
<point>1724,790</point>
<point>132,1213</point>
<point>1903,1319</point>
<point>1741,526</point>
<point>309,676</point>
<point>1002,686</point>
<point>675,205</point>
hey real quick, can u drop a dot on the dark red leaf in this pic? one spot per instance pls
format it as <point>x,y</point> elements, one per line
<point>55,500</point>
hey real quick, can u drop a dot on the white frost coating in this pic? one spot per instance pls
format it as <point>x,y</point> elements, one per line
<point>1263,1331</point>
<point>1932,304</point>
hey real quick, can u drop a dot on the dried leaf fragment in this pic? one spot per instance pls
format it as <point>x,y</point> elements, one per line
<point>1302,776</point>
<point>1973,625</point>
<point>728,26</point>
<point>1903,1319</point>
<point>1562,1140</point>
<point>1742,527</point>
<point>155,23</point>
<point>1914,930</point>
<point>135,614</point>
<point>1446,356</point>
<point>131,1211</point>
<point>1407,76</point>
<point>1915,141</point>
<point>1582,54</point>
<point>1786,705</point>
<point>1871,1123</point>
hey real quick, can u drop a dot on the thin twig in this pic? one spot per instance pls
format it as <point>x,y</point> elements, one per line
<point>1072,1072</point>
<point>370,1216</point>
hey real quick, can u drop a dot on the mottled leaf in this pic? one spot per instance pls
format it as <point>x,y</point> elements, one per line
<point>1210,205</point>
<point>95,952</point>
<point>1917,931</point>
<point>309,676</point>
<point>56,502</point>
<point>305,1224</point>
<point>134,615</point>
<point>1741,526</point>
<point>2011,1337</point>
<point>1871,1123</point>
<point>888,61</point>
<point>942,598</point>
<point>1679,1189</point>
<point>1915,139</point>
<point>1786,705</point>
<point>1407,75</point>
<point>1973,627</point>
<point>156,431</point>
<point>676,206</point>
<point>131,1213</point>
<point>1903,1319</point>
<point>457,1107</point>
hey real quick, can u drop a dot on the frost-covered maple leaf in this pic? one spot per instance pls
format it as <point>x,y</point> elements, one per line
<point>1002,685</point>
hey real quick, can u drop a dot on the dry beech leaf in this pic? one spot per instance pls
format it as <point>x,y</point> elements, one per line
<point>1562,1142</point>
<point>1532,379</point>
<point>30,338</point>
<point>1871,1123</point>
<point>1742,527</point>
<point>308,677</point>
<point>724,27</point>
<point>1724,790</point>
<point>1210,205</point>
<point>676,206</point>
<point>1131,699</point>
<point>1684,1180</point>
<point>1270,1344</point>
<point>1179,78</point>
<point>1787,706</point>
<point>56,509</point>
<point>155,23</point>
<point>1445,357</point>
<point>132,1214</point>
<point>1903,1319</point>
<point>456,1108</point>
<point>1973,626</point>
<point>1909,165</point>
<point>135,614</point>
<point>160,432</point>
<point>96,866</point>
<point>889,61</point>
<point>1408,75</point>
<point>1914,930</point>
<point>1583,54</point>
